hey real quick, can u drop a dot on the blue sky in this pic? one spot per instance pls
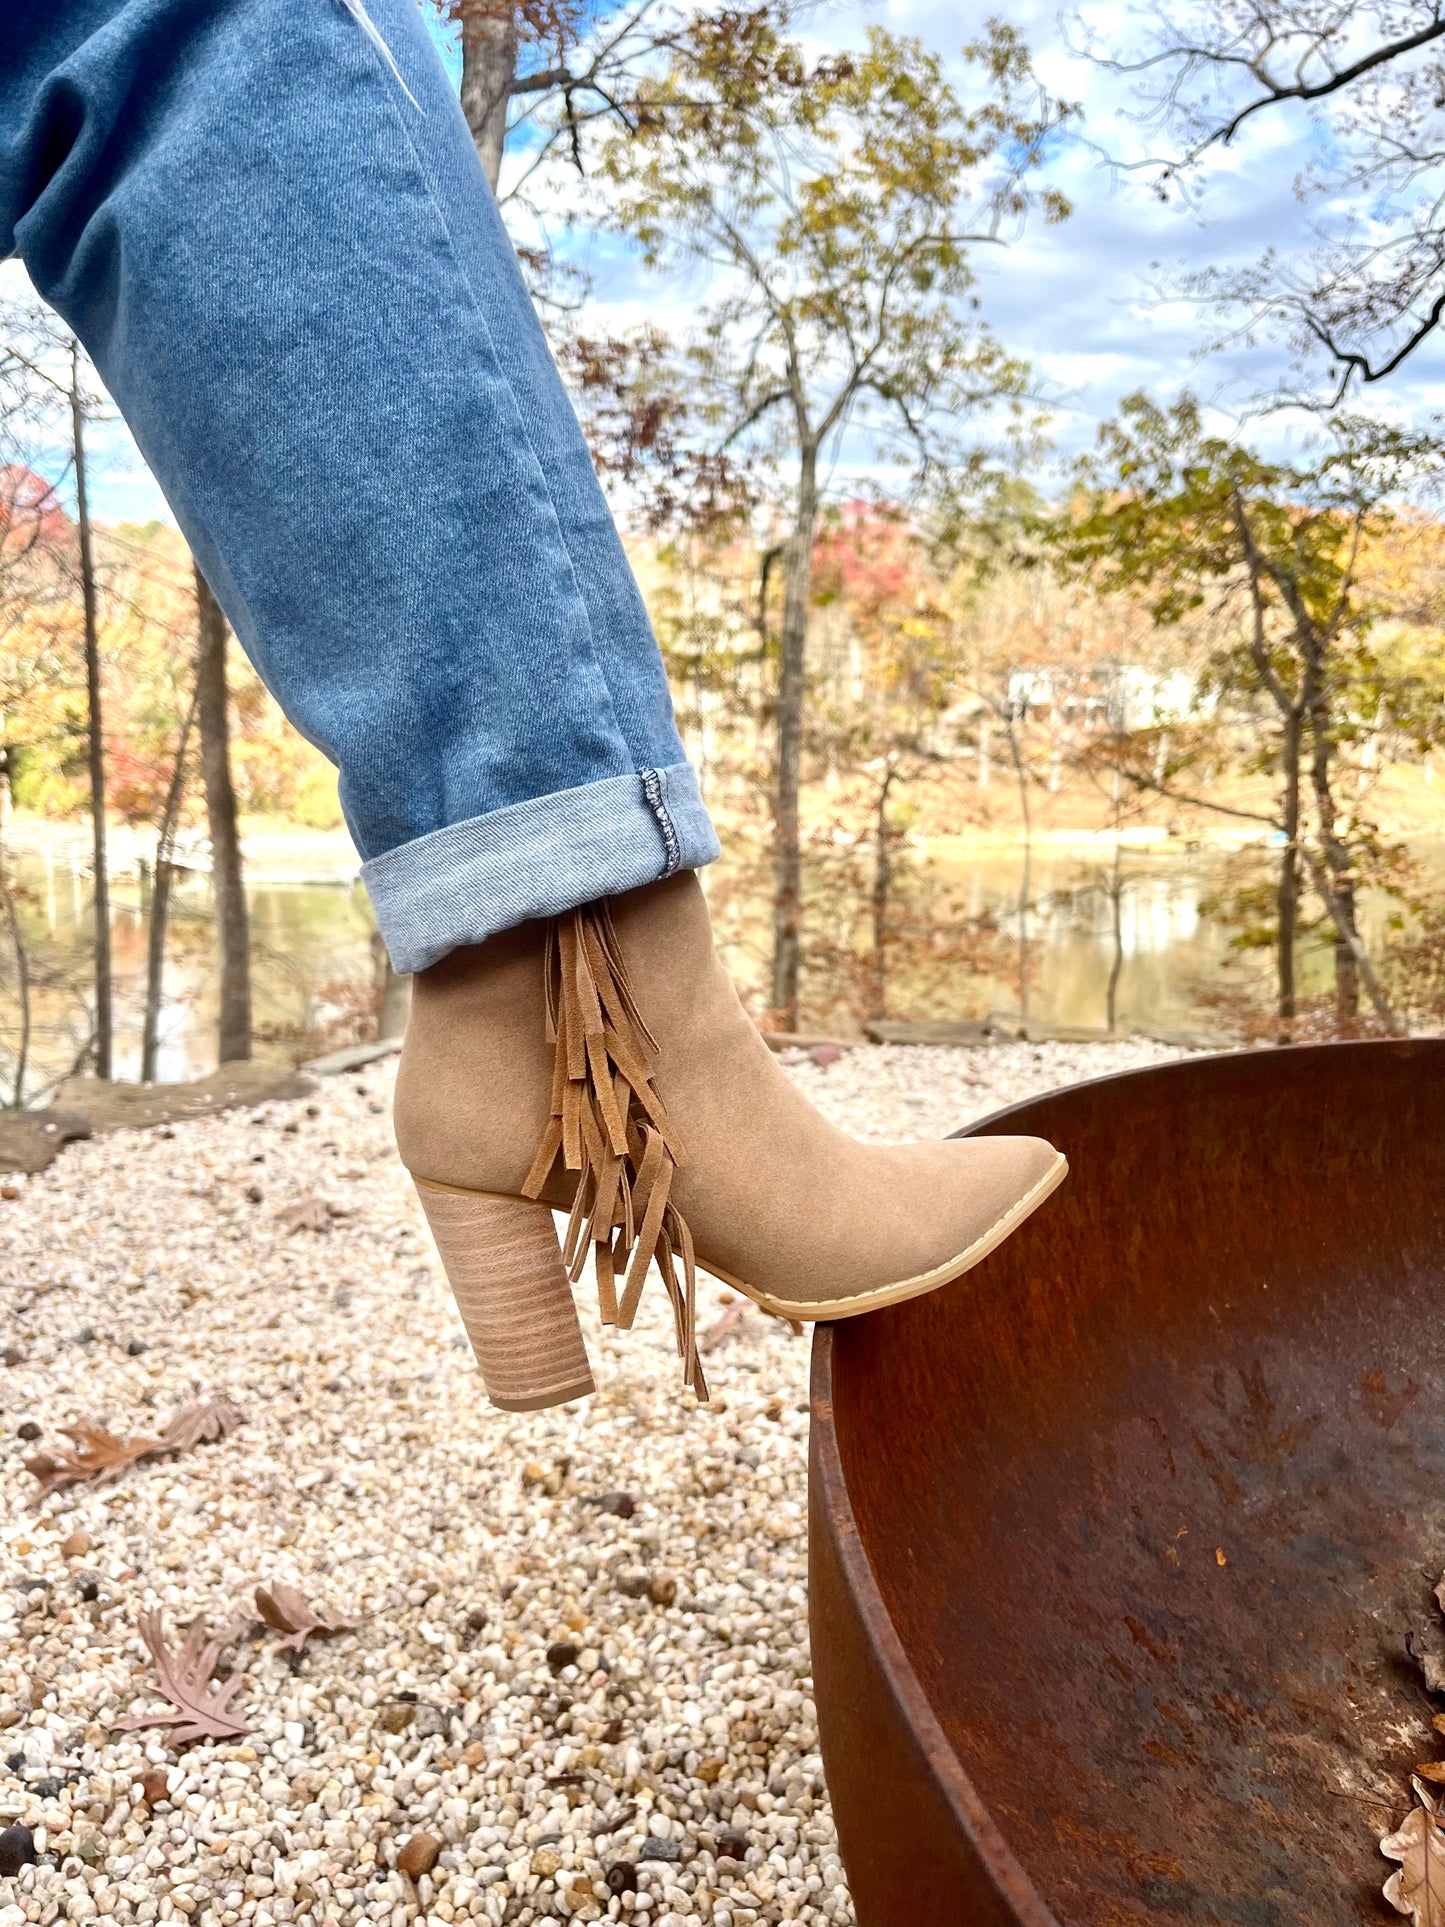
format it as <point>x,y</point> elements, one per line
<point>1080,301</point>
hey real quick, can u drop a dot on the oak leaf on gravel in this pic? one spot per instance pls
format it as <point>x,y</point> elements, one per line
<point>201,1706</point>
<point>97,1454</point>
<point>310,1214</point>
<point>201,1422</point>
<point>287,1610</point>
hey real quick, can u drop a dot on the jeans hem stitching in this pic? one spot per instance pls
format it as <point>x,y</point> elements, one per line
<point>656,802</point>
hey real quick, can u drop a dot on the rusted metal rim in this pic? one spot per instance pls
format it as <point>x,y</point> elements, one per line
<point>842,1568</point>
<point>829,1498</point>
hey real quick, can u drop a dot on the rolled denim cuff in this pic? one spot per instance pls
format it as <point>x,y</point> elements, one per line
<point>536,859</point>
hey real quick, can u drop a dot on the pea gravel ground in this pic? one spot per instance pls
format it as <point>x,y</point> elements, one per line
<point>579,1686</point>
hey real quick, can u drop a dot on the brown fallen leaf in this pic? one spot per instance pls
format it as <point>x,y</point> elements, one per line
<point>731,1320</point>
<point>312,1214</point>
<point>724,1326</point>
<point>100,1455</point>
<point>201,1706</point>
<point>1418,1888</point>
<point>287,1610</point>
<point>201,1422</point>
<point>309,1214</point>
<point>1425,1643</point>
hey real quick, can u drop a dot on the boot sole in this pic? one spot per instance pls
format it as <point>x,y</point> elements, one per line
<point>828,1310</point>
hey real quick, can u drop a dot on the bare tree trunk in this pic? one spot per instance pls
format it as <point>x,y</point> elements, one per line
<point>22,981</point>
<point>788,891</point>
<point>233,923</point>
<point>489,67</point>
<point>1337,856</point>
<point>1345,930</point>
<point>1288,893</point>
<point>1026,881</point>
<point>1116,965</point>
<point>104,1038</point>
<point>882,891</point>
<point>161,903</point>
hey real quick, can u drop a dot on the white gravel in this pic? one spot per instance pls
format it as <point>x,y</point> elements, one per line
<point>679,1742</point>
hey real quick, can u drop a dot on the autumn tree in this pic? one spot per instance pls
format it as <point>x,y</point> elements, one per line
<point>233,929</point>
<point>838,203</point>
<point>44,374</point>
<point>550,74</point>
<point>1188,519</point>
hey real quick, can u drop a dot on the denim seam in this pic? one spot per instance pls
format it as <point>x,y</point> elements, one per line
<point>455,256</point>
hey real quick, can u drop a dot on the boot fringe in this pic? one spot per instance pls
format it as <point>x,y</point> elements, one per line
<point>609,1125</point>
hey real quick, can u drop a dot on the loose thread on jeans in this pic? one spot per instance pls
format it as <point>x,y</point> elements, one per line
<point>368,26</point>
<point>652,790</point>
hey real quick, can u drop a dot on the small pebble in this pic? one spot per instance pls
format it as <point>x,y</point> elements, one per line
<point>374,1476</point>
<point>75,1545</point>
<point>17,1850</point>
<point>418,1855</point>
<point>655,1849</point>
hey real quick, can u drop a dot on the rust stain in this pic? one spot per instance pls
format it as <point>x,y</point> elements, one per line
<point>1229,1316</point>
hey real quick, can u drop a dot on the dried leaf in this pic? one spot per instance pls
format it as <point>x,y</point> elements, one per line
<point>202,1707</point>
<point>286,1610</point>
<point>201,1422</point>
<point>312,1214</point>
<point>1433,1770</point>
<point>1440,1593</point>
<point>724,1327</point>
<point>1418,1889</point>
<point>100,1455</point>
<point>1426,1646</point>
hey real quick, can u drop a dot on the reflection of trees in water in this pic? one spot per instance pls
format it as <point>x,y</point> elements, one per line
<point>314,972</point>
<point>318,984</point>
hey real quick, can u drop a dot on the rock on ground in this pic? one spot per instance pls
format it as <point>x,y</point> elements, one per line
<point>579,1687</point>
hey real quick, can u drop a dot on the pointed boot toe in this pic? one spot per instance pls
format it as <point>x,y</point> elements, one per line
<point>602,1064</point>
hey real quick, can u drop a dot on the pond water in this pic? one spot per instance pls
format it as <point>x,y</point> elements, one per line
<point>316,961</point>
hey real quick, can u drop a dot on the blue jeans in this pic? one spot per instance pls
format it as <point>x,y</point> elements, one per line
<point>274,237</point>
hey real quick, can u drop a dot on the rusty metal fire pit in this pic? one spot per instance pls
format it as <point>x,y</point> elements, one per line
<point>1118,1542</point>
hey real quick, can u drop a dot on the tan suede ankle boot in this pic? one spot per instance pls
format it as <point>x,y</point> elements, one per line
<point>603,1064</point>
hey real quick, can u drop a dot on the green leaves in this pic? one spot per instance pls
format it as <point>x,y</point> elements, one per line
<point>834,204</point>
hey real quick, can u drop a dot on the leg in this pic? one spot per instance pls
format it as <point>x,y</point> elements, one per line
<point>280,251</point>
<point>284,258</point>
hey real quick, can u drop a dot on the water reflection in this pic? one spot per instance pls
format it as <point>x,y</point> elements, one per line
<point>315,958</point>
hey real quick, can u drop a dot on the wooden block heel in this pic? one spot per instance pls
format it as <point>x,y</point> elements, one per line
<point>505,1269</point>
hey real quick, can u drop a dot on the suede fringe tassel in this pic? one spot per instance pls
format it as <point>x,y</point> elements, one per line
<point>609,1125</point>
